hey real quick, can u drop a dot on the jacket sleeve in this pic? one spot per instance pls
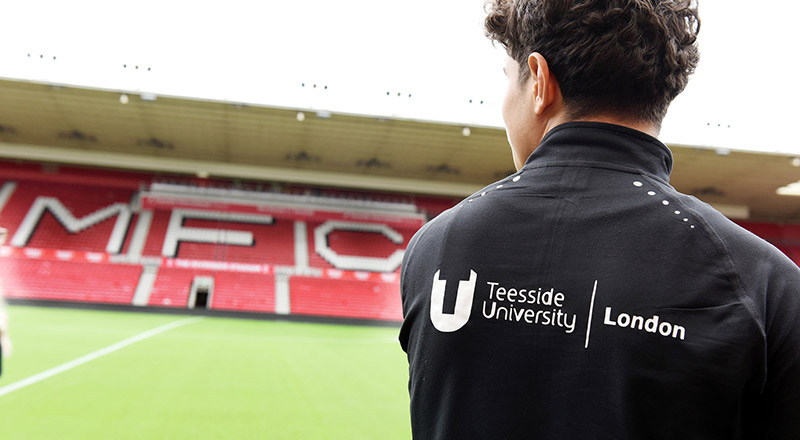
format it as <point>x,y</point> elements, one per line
<point>770,284</point>
<point>781,392</point>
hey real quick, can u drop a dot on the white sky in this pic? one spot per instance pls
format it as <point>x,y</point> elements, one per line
<point>262,51</point>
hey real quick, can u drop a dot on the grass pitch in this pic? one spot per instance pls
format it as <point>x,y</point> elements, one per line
<point>213,378</point>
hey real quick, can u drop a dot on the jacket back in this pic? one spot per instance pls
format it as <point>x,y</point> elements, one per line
<point>583,297</point>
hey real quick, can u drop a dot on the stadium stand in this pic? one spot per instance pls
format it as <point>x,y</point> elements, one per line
<point>123,238</point>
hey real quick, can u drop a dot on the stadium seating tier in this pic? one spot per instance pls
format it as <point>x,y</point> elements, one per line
<point>66,257</point>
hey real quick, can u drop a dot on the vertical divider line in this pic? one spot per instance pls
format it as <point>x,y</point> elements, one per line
<point>591,310</point>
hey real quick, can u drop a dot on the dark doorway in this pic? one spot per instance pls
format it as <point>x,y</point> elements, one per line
<point>201,300</point>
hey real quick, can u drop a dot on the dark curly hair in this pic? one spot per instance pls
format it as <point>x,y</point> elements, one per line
<point>629,58</point>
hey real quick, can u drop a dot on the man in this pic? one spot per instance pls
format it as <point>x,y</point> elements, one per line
<point>583,297</point>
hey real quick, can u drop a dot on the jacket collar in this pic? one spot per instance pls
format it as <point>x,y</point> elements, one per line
<point>598,143</point>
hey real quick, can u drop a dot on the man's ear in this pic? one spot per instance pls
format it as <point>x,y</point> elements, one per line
<point>545,86</point>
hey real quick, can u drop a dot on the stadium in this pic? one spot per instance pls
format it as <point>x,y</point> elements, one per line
<point>181,263</point>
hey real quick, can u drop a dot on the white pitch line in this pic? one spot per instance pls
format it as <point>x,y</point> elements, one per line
<point>10,388</point>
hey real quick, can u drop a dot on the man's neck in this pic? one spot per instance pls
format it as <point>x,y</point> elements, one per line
<point>643,126</point>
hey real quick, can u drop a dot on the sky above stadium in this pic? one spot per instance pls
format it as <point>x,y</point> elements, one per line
<point>411,59</point>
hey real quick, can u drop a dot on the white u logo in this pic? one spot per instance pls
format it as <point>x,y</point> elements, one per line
<point>450,322</point>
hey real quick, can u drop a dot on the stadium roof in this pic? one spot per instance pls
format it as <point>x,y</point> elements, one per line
<point>42,122</point>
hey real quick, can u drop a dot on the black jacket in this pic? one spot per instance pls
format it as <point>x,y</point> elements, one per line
<point>585,298</point>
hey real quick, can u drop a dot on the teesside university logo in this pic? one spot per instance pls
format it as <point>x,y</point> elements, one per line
<point>499,302</point>
<point>447,322</point>
<point>540,306</point>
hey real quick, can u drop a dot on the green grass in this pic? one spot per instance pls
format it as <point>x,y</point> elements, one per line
<point>215,378</point>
